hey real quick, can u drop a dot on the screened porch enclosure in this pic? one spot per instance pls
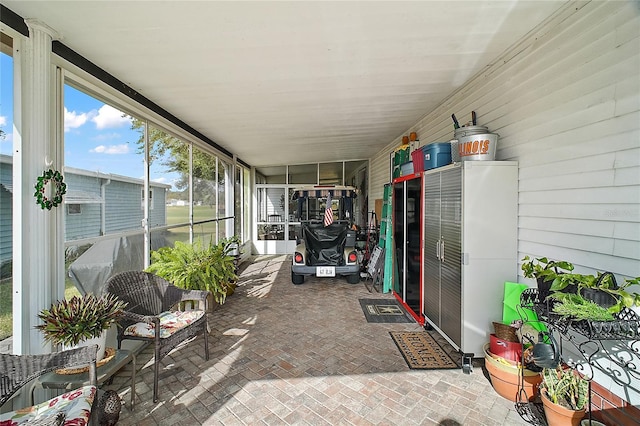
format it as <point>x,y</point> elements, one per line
<point>277,222</point>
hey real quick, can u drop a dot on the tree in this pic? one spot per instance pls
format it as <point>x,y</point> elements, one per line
<point>174,154</point>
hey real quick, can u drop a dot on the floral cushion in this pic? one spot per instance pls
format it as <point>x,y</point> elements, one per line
<point>75,407</point>
<point>170,322</point>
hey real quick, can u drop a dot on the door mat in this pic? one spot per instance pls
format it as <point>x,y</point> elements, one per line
<point>384,310</point>
<point>421,351</point>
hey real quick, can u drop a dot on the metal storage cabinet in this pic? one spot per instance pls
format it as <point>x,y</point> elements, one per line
<point>470,249</point>
<point>407,242</point>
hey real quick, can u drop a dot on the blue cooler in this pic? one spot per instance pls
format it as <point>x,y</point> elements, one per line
<point>436,154</point>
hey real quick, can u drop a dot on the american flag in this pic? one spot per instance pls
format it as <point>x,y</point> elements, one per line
<point>328,213</point>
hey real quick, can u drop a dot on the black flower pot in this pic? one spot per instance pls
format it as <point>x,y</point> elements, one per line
<point>544,288</point>
<point>599,297</point>
<point>571,288</point>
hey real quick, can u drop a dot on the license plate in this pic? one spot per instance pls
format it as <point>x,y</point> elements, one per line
<point>325,271</point>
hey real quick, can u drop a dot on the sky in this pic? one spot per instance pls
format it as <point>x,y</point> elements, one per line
<point>97,137</point>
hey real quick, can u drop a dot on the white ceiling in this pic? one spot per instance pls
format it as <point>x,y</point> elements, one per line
<point>292,82</point>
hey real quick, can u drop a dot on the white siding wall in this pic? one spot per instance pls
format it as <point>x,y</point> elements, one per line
<point>566,103</point>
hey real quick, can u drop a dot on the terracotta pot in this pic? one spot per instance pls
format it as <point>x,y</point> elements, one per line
<point>504,364</point>
<point>557,415</point>
<point>505,377</point>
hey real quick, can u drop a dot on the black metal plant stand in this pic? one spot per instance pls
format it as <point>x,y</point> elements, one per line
<point>618,340</point>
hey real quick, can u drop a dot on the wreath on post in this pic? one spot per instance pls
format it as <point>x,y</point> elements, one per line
<point>60,188</point>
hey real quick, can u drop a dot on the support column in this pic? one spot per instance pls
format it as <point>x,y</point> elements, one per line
<point>35,231</point>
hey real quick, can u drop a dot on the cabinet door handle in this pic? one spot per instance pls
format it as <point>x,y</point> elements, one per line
<point>438,249</point>
<point>442,251</point>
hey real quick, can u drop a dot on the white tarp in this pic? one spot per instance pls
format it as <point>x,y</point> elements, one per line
<point>91,270</point>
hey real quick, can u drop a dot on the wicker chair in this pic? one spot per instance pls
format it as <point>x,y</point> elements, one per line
<point>75,407</point>
<point>151,314</point>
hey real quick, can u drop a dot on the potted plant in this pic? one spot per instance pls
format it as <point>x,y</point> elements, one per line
<point>545,272</point>
<point>601,289</point>
<point>575,307</point>
<point>605,291</point>
<point>558,276</point>
<point>80,321</point>
<point>565,396</point>
<point>196,267</point>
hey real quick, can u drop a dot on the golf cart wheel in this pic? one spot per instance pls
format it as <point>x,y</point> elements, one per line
<point>297,279</point>
<point>353,278</point>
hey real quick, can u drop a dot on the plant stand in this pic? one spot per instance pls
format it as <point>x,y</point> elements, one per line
<point>588,338</point>
<point>532,412</point>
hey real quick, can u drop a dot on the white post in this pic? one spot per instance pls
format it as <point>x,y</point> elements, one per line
<point>35,230</point>
<point>145,199</point>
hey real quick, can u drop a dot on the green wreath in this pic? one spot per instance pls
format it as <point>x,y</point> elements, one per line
<point>60,189</point>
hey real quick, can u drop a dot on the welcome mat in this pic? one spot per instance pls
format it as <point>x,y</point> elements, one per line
<point>421,351</point>
<point>384,310</point>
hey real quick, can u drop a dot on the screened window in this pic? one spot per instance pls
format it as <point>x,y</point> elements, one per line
<point>74,209</point>
<point>6,193</point>
<point>206,184</point>
<point>104,167</point>
<point>271,213</point>
<point>169,176</point>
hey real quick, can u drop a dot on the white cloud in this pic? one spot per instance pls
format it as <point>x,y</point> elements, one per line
<point>111,149</point>
<point>109,117</point>
<point>107,136</point>
<point>73,120</point>
<point>3,120</point>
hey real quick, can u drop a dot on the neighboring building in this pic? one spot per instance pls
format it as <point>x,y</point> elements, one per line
<point>6,213</point>
<point>95,204</point>
<point>98,204</point>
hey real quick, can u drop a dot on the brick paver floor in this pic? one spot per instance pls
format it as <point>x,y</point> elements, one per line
<point>303,355</point>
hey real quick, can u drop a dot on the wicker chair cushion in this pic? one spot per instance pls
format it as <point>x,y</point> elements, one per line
<point>170,322</point>
<point>76,406</point>
<point>53,419</point>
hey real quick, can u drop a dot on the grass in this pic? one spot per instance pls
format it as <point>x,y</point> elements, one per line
<point>175,214</point>
<point>180,214</point>
<point>6,304</point>
<point>6,309</point>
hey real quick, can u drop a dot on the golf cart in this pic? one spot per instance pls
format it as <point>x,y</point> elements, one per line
<point>326,247</point>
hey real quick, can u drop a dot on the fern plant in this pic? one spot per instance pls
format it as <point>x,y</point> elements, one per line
<point>565,388</point>
<point>575,307</point>
<point>198,267</point>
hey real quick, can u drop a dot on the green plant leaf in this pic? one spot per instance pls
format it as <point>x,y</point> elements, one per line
<point>198,267</point>
<point>72,321</point>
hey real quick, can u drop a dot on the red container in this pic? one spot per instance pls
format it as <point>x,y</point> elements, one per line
<point>417,156</point>
<point>507,350</point>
